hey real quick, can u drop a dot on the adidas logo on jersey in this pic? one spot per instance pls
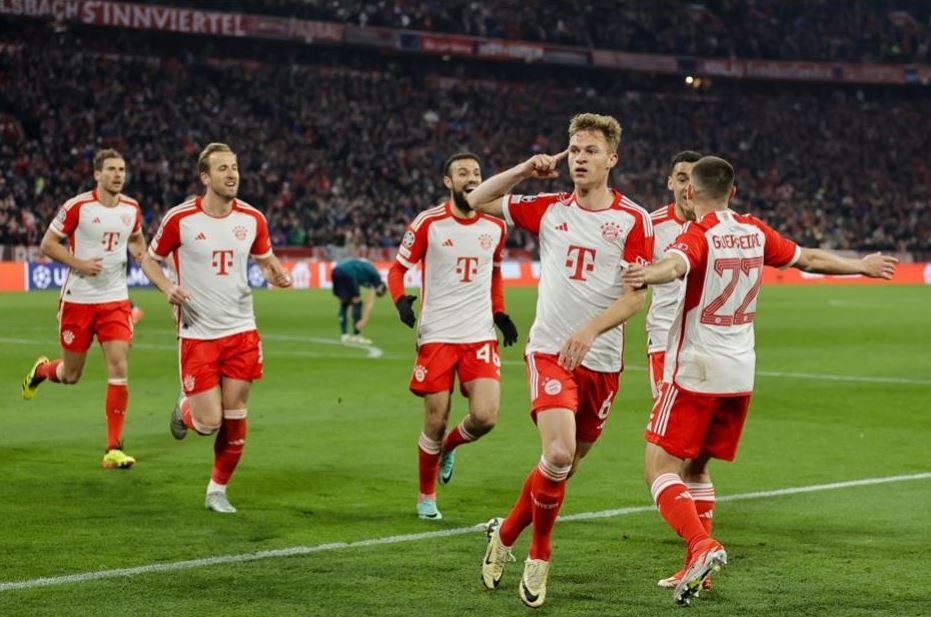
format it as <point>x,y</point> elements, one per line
<point>200,236</point>
<point>562,227</point>
<point>448,242</point>
<point>96,220</point>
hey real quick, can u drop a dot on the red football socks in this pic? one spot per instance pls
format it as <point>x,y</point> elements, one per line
<point>228,447</point>
<point>457,437</point>
<point>49,370</point>
<point>703,494</point>
<point>117,399</point>
<point>428,454</point>
<point>677,507</point>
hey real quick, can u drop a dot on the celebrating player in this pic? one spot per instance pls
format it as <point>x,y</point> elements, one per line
<point>461,251</point>
<point>575,347</point>
<point>209,240</point>
<point>710,358</point>
<point>100,225</point>
<point>348,276</point>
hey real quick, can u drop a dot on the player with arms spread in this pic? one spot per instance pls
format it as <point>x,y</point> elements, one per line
<point>575,349</point>
<point>100,225</point>
<point>710,356</point>
<point>209,241</point>
<point>462,302</point>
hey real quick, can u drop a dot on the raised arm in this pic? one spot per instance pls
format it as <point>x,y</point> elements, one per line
<point>487,196</point>
<point>875,265</point>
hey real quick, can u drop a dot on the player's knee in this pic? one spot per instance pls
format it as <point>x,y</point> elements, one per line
<point>560,454</point>
<point>118,370</point>
<point>484,418</point>
<point>71,376</point>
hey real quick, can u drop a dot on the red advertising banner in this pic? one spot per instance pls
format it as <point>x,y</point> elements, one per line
<point>165,18</point>
<point>12,276</point>
<point>873,73</point>
<point>454,45</point>
<point>652,63</point>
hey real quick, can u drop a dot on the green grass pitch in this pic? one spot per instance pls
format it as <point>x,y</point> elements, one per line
<point>331,458</point>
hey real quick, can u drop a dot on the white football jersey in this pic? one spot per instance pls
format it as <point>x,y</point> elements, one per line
<point>95,230</point>
<point>710,347</point>
<point>459,256</point>
<point>211,257</point>
<point>581,261</point>
<point>666,228</point>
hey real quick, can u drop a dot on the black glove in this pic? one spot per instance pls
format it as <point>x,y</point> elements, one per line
<point>406,310</point>
<point>507,327</point>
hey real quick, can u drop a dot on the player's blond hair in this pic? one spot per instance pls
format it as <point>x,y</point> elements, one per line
<point>203,161</point>
<point>608,125</point>
<point>102,155</point>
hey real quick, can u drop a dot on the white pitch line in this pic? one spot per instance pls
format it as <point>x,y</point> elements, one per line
<point>173,566</point>
<point>376,353</point>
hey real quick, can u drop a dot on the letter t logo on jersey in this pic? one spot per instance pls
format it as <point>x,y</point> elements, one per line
<point>109,239</point>
<point>577,259</point>
<point>222,262</point>
<point>466,267</point>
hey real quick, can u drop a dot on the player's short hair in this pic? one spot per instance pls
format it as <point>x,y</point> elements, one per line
<point>713,176</point>
<point>686,156</point>
<point>203,161</point>
<point>608,125</point>
<point>460,156</point>
<point>102,155</point>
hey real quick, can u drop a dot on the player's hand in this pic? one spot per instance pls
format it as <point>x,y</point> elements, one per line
<point>361,323</point>
<point>544,165</point>
<point>507,327</point>
<point>878,266</point>
<point>406,310</point>
<point>90,267</point>
<point>574,349</point>
<point>278,276</point>
<point>635,276</point>
<point>177,294</point>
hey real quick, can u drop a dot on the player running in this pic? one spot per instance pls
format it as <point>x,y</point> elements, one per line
<point>575,348</point>
<point>209,241</point>
<point>710,353</point>
<point>100,225</point>
<point>348,276</point>
<point>462,302</point>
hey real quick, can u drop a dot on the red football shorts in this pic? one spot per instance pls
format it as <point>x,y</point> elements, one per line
<point>79,323</point>
<point>205,362</point>
<point>656,362</point>
<point>589,394</point>
<point>686,424</point>
<point>439,363</point>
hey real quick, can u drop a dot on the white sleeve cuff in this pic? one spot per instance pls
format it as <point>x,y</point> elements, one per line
<point>155,255</point>
<point>404,262</point>
<point>506,210</point>
<point>684,257</point>
<point>795,258</point>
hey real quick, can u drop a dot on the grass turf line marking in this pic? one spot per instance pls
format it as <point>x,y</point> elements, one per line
<point>174,566</point>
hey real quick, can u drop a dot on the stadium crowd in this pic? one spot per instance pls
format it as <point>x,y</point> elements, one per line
<point>829,30</point>
<point>345,156</point>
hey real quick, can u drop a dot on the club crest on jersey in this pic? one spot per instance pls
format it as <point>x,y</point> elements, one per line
<point>552,387</point>
<point>188,383</point>
<point>610,231</point>
<point>127,220</point>
<point>240,232</point>
<point>420,373</point>
<point>486,241</point>
<point>67,336</point>
<point>408,239</point>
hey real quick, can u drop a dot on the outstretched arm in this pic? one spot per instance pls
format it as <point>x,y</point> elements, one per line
<point>875,265</point>
<point>487,196</point>
<point>669,268</point>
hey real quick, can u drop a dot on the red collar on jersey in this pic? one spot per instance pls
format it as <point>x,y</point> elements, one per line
<point>615,205</point>
<point>459,219</point>
<point>198,203</point>
<point>673,215</point>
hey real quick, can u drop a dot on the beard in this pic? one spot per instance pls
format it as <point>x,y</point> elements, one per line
<point>459,198</point>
